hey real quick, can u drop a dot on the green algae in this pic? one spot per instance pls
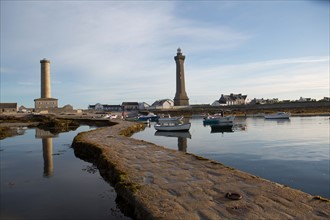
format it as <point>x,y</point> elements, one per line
<point>126,184</point>
<point>5,132</point>
<point>132,129</point>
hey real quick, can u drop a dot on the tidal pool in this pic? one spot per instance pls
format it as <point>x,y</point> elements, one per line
<point>42,179</point>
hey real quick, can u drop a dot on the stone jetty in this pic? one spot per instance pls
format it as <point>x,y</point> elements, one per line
<point>160,183</point>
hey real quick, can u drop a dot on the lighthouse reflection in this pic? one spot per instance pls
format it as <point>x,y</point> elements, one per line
<point>182,138</point>
<point>47,150</point>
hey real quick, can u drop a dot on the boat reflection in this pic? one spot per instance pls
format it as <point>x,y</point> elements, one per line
<point>184,134</point>
<point>182,138</point>
<point>47,150</point>
<point>279,121</point>
<point>238,126</point>
<point>221,129</point>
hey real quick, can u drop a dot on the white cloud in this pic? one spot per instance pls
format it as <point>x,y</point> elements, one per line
<point>306,76</point>
<point>123,51</point>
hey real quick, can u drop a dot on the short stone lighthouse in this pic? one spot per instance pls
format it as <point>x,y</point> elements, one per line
<point>46,102</point>
<point>181,98</point>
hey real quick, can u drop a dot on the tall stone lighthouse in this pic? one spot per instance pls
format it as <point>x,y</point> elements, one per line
<point>45,78</point>
<point>46,102</point>
<point>181,98</point>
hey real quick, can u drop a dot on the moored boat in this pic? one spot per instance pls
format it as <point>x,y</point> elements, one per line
<point>221,129</point>
<point>219,120</point>
<point>113,116</point>
<point>279,115</point>
<point>172,126</point>
<point>149,117</point>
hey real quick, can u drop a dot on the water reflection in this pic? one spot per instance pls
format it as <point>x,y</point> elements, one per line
<point>238,126</point>
<point>23,179</point>
<point>182,134</point>
<point>47,150</point>
<point>182,138</point>
<point>182,144</point>
<point>21,131</point>
<point>293,152</point>
<point>279,121</point>
<point>220,129</point>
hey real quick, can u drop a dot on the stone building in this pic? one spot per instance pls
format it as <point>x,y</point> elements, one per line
<point>45,104</point>
<point>130,106</point>
<point>105,107</point>
<point>163,104</point>
<point>8,107</point>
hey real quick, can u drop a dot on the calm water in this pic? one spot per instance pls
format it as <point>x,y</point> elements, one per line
<point>292,152</point>
<point>42,179</point>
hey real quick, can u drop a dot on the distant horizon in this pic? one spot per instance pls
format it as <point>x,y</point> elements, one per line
<point>111,52</point>
<point>191,104</point>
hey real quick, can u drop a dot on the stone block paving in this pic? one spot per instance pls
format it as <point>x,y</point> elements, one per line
<point>176,185</point>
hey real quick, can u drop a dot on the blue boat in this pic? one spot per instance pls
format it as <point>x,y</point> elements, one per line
<point>225,121</point>
<point>149,117</point>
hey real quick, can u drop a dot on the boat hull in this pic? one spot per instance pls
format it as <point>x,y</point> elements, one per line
<point>148,118</point>
<point>224,121</point>
<point>172,127</point>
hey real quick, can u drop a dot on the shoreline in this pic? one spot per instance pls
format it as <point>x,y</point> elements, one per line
<point>12,123</point>
<point>154,182</point>
<point>160,183</point>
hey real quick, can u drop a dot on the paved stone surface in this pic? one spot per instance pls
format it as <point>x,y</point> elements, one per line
<point>161,183</point>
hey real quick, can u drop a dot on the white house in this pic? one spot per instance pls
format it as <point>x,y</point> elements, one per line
<point>143,105</point>
<point>97,107</point>
<point>163,104</point>
<point>233,99</point>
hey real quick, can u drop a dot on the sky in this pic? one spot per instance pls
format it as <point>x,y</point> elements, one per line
<point>111,52</point>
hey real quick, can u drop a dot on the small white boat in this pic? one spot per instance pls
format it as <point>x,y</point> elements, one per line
<point>105,116</point>
<point>170,126</point>
<point>169,119</point>
<point>113,116</point>
<point>279,115</point>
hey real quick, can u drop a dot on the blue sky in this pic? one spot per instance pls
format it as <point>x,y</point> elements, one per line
<point>110,52</point>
